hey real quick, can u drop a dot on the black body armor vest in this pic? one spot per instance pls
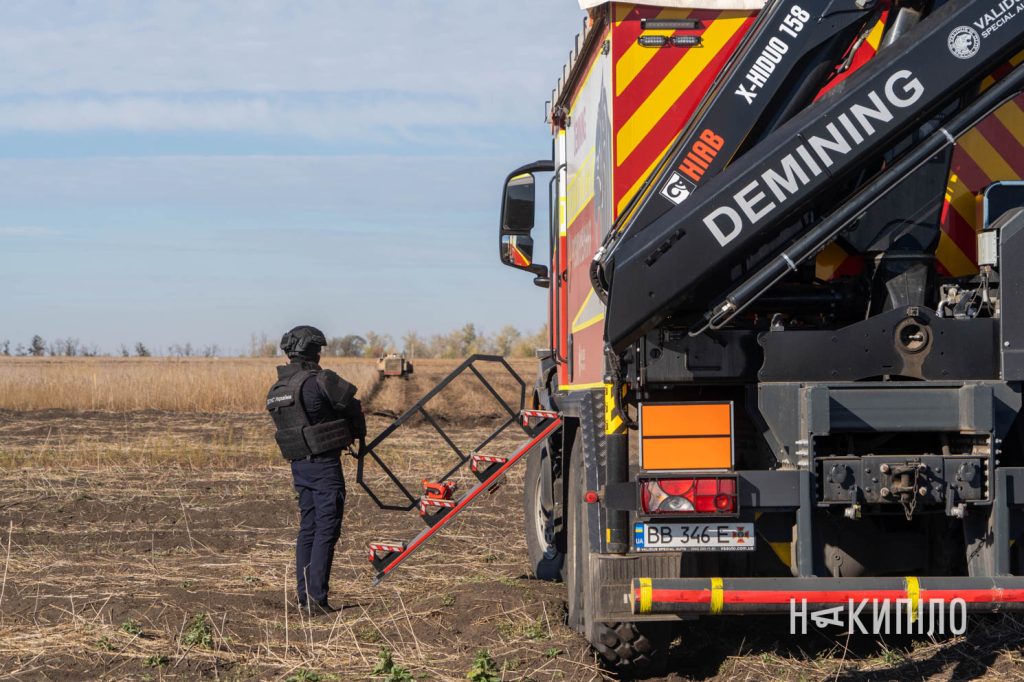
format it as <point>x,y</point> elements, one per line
<point>296,437</point>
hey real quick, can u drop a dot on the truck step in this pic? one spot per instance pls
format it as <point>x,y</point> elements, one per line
<point>433,510</point>
<point>484,465</point>
<point>383,552</point>
<point>427,503</point>
<point>527,415</point>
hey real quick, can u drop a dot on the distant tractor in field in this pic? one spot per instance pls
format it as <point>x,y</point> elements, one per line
<point>393,365</point>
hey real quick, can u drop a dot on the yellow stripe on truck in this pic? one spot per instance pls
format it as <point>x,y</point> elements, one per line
<point>581,188</point>
<point>1011,116</point>
<point>783,550</point>
<point>874,38</point>
<point>646,595</point>
<point>682,76</point>
<point>961,198</point>
<point>622,10</point>
<point>613,422</point>
<point>953,258</point>
<point>985,155</point>
<point>636,56</point>
<point>628,196</point>
<point>717,596</point>
<point>914,595</point>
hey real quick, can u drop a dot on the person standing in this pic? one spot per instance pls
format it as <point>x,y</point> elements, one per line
<point>317,417</point>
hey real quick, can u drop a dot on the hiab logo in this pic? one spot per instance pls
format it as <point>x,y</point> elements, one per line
<point>693,166</point>
<point>678,189</point>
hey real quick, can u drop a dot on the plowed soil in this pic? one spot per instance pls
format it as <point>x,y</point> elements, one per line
<point>118,530</point>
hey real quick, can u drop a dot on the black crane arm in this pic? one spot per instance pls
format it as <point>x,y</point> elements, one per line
<point>778,69</point>
<point>677,263</point>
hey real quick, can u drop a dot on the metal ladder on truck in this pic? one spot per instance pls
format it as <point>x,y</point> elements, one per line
<point>437,503</point>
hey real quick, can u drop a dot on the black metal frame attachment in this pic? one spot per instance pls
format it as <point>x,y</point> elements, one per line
<point>419,410</point>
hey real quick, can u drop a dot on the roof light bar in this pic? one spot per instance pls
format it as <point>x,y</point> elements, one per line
<point>669,24</point>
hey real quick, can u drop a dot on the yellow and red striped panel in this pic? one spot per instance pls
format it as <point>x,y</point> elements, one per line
<point>991,151</point>
<point>657,89</point>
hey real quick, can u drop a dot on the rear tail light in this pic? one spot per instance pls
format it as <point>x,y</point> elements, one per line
<point>689,496</point>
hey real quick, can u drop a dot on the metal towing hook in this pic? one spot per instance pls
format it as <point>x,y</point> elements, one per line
<point>906,483</point>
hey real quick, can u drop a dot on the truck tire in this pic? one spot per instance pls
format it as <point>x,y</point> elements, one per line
<point>544,550</point>
<point>634,647</point>
<point>576,551</point>
<point>627,648</point>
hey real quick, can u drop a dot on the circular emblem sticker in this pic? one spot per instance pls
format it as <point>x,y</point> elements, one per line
<point>964,42</point>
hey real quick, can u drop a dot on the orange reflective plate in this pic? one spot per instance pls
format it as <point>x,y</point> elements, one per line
<point>686,436</point>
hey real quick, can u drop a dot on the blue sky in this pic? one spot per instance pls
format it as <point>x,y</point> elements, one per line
<point>202,171</point>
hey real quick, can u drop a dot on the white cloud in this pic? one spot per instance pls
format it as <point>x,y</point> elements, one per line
<point>27,232</point>
<point>155,65</point>
<point>170,247</point>
<point>331,118</point>
<point>425,184</point>
<point>207,249</point>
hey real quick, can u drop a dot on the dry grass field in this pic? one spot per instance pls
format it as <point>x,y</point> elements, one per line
<point>191,385</point>
<point>147,534</point>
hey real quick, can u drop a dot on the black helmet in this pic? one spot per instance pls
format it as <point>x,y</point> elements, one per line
<point>303,341</point>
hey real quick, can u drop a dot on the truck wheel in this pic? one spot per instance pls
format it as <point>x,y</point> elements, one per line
<point>576,551</point>
<point>635,647</point>
<point>545,552</point>
<point>630,648</point>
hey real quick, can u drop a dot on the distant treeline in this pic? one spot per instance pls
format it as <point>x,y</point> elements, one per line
<point>71,347</point>
<point>459,343</point>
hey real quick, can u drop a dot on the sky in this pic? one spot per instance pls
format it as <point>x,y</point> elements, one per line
<point>199,172</point>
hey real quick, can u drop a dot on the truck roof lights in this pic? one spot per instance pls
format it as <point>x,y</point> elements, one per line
<point>686,41</point>
<point>669,24</point>
<point>652,41</point>
<point>663,41</point>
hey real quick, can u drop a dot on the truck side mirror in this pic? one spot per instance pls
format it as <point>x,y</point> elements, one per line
<point>518,207</point>
<point>517,252</point>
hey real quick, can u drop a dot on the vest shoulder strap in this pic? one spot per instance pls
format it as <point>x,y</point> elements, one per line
<point>295,384</point>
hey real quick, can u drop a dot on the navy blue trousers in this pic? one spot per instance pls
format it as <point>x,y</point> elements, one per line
<point>321,488</point>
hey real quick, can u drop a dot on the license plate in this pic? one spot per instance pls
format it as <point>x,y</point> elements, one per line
<point>694,537</point>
